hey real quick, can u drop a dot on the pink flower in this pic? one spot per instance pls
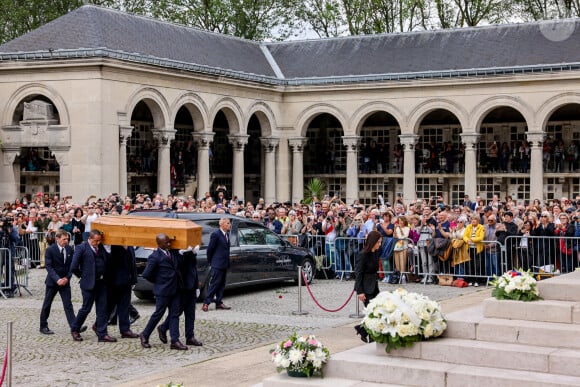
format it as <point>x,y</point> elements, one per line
<point>312,342</point>
<point>288,344</point>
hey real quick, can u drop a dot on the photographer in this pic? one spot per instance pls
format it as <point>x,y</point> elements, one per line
<point>10,239</point>
<point>328,227</point>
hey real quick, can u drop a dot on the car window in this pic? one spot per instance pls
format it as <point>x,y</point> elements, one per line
<point>272,239</point>
<point>207,227</point>
<point>251,236</point>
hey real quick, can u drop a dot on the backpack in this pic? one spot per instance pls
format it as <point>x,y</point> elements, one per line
<point>395,277</point>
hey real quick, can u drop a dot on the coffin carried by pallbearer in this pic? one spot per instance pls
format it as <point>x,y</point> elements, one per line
<point>141,231</point>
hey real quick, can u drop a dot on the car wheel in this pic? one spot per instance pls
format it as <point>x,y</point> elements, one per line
<point>308,269</point>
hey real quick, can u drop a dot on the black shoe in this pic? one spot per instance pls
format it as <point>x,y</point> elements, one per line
<point>162,335</point>
<point>83,329</point>
<point>360,331</point>
<point>132,319</point>
<point>46,331</point>
<point>193,341</point>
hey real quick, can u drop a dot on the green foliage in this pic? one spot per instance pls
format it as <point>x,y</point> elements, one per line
<point>313,190</point>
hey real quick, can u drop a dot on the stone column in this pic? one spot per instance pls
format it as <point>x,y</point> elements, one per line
<point>536,140</point>
<point>238,142</point>
<point>352,144</point>
<point>203,141</point>
<point>61,154</point>
<point>164,138</point>
<point>270,144</point>
<point>408,141</point>
<point>297,144</point>
<point>470,175</point>
<point>8,173</point>
<point>124,134</point>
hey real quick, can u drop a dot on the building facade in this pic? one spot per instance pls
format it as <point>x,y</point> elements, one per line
<point>99,101</point>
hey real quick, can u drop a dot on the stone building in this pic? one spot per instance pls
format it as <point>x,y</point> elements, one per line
<point>100,101</point>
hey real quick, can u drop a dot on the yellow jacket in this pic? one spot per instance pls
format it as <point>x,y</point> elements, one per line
<point>479,235</point>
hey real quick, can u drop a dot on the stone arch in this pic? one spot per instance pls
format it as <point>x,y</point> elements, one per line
<point>486,106</point>
<point>311,112</point>
<point>197,109</point>
<point>233,113</point>
<point>156,103</point>
<point>548,108</point>
<point>423,109</point>
<point>361,114</point>
<point>265,115</point>
<point>36,89</point>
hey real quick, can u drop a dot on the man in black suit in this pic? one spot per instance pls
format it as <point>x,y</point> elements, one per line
<point>218,256</point>
<point>163,271</point>
<point>90,263</point>
<point>58,258</point>
<point>187,297</point>
<point>123,275</point>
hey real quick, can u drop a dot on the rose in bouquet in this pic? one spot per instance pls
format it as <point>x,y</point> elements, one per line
<point>400,318</point>
<point>515,285</point>
<point>302,354</point>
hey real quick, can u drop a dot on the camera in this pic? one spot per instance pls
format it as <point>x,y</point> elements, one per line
<point>377,217</point>
<point>341,214</point>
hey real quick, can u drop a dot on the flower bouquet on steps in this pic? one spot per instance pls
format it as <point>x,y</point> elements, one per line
<point>515,285</point>
<point>400,318</point>
<point>300,355</point>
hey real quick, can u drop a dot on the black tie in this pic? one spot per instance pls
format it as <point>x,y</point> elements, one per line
<point>62,255</point>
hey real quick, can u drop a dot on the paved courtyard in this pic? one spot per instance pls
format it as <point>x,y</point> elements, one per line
<point>259,316</point>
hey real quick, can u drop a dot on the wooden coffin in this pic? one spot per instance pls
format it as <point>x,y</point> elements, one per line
<point>142,231</point>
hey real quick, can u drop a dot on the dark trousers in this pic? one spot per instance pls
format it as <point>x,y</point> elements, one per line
<point>97,296</point>
<point>65,296</point>
<point>119,299</point>
<point>217,283</point>
<point>163,303</point>
<point>187,300</point>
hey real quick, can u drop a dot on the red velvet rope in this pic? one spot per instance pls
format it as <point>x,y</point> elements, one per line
<point>4,367</point>
<point>318,304</point>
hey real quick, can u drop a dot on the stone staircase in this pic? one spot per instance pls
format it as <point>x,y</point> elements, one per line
<point>498,343</point>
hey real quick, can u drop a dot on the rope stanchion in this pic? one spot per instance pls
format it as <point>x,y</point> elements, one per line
<point>357,313</point>
<point>300,312</point>
<point>322,307</point>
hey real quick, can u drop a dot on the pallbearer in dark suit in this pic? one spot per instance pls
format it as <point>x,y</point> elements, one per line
<point>187,296</point>
<point>218,256</point>
<point>122,275</point>
<point>58,258</point>
<point>163,271</point>
<point>366,283</point>
<point>90,263</point>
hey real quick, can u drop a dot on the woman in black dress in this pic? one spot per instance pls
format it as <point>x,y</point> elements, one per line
<point>78,227</point>
<point>366,282</point>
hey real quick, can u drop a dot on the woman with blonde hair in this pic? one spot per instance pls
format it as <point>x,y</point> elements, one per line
<point>473,237</point>
<point>460,248</point>
<point>401,234</point>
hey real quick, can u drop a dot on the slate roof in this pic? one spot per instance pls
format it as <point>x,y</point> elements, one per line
<point>92,31</point>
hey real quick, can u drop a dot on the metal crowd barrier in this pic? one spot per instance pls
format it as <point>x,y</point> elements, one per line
<point>6,271</point>
<point>21,261</point>
<point>543,256</point>
<point>35,242</point>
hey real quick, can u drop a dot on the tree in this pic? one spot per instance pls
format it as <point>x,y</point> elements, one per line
<point>325,17</point>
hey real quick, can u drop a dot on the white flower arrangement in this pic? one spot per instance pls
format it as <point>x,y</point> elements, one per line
<point>301,354</point>
<point>400,318</point>
<point>515,285</point>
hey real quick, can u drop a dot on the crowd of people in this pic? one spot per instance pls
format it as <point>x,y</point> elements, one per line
<point>476,229</point>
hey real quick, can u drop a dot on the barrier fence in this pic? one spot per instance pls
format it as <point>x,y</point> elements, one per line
<point>477,264</point>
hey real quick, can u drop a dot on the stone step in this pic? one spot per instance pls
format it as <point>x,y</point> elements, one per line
<point>543,310</point>
<point>564,287</point>
<point>471,324</point>
<point>362,363</point>
<point>492,354</point>
<point>283,380</point>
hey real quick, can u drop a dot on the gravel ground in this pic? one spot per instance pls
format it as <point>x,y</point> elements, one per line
<point>261,315</point>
